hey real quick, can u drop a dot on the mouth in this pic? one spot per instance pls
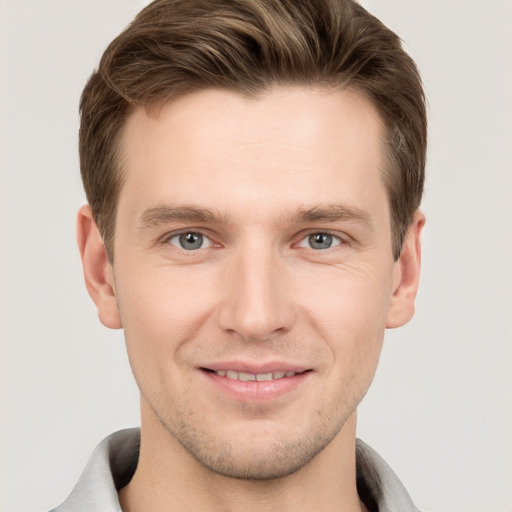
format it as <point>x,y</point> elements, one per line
<point>253,383</point>
<point>255,377</point>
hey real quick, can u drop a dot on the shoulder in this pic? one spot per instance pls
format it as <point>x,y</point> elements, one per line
<point>110,468</point>
<point>378,486</point>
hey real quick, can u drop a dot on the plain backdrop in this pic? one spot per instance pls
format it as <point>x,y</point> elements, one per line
<point>440,408</point>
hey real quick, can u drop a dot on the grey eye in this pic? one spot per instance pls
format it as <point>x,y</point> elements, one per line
<point>320,241</point>
<point>189,241</point>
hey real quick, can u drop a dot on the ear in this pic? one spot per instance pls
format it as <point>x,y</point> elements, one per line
<point>406,275</point>
<point>98,272</point>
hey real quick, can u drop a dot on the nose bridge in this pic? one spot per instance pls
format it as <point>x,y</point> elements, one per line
<point>256,303</point>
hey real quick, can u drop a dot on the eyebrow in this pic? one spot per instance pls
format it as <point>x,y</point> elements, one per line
<point>154,217</point>
<point>160,215</point>
<point>332,213</point>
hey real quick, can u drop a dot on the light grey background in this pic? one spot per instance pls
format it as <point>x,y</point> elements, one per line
<point>440,409</point>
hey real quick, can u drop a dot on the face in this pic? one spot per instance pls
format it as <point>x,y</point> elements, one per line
<point>253,271</point>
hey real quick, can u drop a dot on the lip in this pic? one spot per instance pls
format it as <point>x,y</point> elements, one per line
<point>255,367</point>
<point>255,391</point>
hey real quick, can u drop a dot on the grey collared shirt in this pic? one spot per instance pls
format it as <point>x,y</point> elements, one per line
<point>114,461</point>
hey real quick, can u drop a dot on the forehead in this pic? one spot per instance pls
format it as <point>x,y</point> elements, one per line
<point>296,145</point>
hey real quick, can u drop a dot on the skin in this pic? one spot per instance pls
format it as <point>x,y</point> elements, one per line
<point>257,178</point>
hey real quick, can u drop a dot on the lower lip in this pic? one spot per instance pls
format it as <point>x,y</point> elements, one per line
<point>256,391</point>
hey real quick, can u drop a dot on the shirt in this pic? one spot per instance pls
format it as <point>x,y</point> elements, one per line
<point>114,461</point>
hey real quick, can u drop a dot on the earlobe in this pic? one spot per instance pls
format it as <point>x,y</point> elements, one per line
<point>406,276</point>
<point>98,273</point>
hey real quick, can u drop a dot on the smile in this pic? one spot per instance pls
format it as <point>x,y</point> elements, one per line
<point>260,377</point>
<point>247,384</point>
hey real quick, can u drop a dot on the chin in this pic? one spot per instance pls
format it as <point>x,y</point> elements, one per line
<point>260,453</point>
<point>268,463</point>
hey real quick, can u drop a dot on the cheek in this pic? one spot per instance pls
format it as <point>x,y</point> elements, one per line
<point>348,307</point>
<point>161,310</point>
<point>159,298</point>
<point>348,297</point>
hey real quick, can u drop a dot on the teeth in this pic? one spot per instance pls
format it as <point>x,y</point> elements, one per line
<point>260,377</point>
<point>264,376</point>
<point>246,376</point>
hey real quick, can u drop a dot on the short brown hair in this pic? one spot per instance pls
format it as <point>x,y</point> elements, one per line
<point>178,46</point>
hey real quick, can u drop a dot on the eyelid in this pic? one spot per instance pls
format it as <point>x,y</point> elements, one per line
<point>343,239</point>
<point>168,236</point>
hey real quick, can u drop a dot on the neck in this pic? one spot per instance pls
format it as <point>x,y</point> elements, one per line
<point>169,478</point>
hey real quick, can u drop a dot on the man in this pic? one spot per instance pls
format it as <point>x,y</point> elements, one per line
<point>254,171</point>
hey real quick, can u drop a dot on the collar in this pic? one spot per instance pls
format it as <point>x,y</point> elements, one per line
<point>114,461</point>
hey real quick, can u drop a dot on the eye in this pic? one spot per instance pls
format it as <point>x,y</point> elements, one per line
<point>190,241</point>
<point>320,241</point>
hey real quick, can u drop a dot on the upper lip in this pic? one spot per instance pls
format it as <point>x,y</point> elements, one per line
<point>255,368</point>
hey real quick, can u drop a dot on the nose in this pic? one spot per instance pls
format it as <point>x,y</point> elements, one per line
<point>257,294</point>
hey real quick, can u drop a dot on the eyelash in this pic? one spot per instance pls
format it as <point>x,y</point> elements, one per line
<point>167,239</point>
<point>335,236</point>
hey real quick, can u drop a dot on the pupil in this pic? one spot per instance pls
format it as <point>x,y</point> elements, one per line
<point>320,241</point>
<point>191,241</point>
